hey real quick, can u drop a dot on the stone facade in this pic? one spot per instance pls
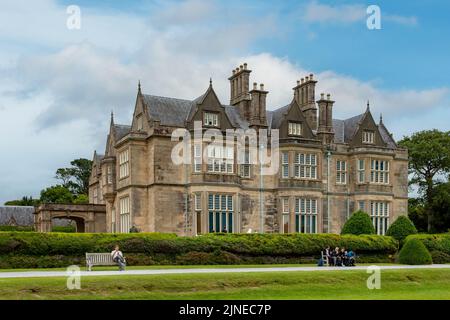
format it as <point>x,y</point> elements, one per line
<point>328,168</point>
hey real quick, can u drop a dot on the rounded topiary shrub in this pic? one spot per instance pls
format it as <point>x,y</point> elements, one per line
<point>359,223</point>
<point>414,252</point>
<point>401,228</point>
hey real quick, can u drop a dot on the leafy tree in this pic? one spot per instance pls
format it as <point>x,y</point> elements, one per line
<point>76,177</point>
<point>417,214</point>
<point>401,228</point>
<point>440,208</point>
<point>429,158</point>
<point>81,199</point>
<point>57,194</point>
<point>25,201</point>
<point>359,223</point>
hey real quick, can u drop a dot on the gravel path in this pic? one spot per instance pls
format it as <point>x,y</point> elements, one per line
<point>40,274</point>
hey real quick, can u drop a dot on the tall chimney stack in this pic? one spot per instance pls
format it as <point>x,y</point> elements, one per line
<point>325,129</point>
<point>304,94</point>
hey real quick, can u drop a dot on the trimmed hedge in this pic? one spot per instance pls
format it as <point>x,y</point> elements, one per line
<point>401,228</point>
<point>16,228</point>
<point>414,252</point>
<point>437,244</point>
<point>38,249</point>
<point>359,223</point>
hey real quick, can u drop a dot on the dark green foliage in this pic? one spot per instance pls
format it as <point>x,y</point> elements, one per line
<point>440,257</point>
<point>414,252</point>
<point>66,229</point>
<point>16,228</point>
<point>25,201</point>
<point>154,248</point>
<point>57,194</point>
<point>434,242</point>
<point>401,228</point>
<point>359,223</point>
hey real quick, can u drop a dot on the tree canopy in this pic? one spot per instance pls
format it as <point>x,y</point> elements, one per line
<point>429,161</point>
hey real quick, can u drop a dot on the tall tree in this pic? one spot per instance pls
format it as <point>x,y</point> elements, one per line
<point>429,159</point>
<point>440,208</point>
<point>25,201</point>
<point>76,177</point>
<point>57,194</point>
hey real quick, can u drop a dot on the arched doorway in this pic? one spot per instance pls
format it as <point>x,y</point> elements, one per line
<point>88,217</point>
<point>70,222</point>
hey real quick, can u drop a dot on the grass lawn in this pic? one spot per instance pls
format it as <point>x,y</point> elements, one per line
<point>395,284</point>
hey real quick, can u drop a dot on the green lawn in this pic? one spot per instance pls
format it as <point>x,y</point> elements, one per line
<point>395,284</point>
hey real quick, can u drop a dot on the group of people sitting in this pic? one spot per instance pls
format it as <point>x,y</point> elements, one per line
<point>339,257</point>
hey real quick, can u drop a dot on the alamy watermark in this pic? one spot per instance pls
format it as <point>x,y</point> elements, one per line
<point>73,278</point>
<point>73,21</point>
<point>374,280</point>
<point>373,21</point>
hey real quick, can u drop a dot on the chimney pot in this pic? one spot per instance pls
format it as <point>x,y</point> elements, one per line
<point>241,67</point>
<point>261,86</point>
<point>255,86</point>
<point>245,66</point>
<point>302,80</point>
<point>298,82</point>
<point>306,78</point>
<point>234,71</point>
<point>328,96</point>
<point>310,76</point>
<point>322,96</point>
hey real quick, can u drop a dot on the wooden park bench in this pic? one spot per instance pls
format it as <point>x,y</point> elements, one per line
<point>99,259</point>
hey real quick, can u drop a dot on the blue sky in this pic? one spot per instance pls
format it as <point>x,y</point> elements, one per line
<point>58,86</point>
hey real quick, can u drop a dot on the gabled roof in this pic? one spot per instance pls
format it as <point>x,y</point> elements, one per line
<point>387,136</point>
<point>121,130</point>
<point>170,111</point>
<point>22,216</point>
<point>276,116</point>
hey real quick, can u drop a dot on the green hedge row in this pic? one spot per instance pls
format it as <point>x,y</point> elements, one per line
<point>437,244</point>
<point>26,249</point>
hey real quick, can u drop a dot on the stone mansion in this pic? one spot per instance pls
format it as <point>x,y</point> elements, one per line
<point>328,167</point>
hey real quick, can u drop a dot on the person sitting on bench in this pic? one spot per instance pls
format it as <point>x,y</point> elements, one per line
<point>118,258</point>
<point>351,258</point>
<point>343,254</point>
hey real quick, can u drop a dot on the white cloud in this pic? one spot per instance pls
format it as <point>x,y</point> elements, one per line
<point>316,12</point>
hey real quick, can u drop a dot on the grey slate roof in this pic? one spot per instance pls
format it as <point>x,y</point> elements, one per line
<point>121,130</point>
<point>387,137</point>
<point>175,112</point>
<point>277,116</point>
<point>22,216</point>
<point>169,111</point>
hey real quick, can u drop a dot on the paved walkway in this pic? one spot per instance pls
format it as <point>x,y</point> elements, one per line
<point>33,274</point>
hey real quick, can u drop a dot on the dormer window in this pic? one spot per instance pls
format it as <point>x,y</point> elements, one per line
<point>211,119</point>
<point>295,129</point>
<point>368,137</point>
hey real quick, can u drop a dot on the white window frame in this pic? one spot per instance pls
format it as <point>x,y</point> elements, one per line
<point>341,172</point>
<point>379,171</point>
<point>124,164</point>
<point>368,137</point>
<point>221,203</point>
<point>305,166</point>
<point>285,215</point>
<point>211,119</point>
<point>220,159</point>
<point>245,167</point>
<point>379,213</point>
<point>306,209</point>
<point>125,214</point>
<point>285,165</point>
<point>295,128</point>
<point>361,172</point>
<point>198,157</point>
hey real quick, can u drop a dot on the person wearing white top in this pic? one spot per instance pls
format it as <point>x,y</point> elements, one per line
<point>118,258</point>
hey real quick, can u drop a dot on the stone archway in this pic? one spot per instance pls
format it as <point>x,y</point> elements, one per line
<point>88,217</point>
